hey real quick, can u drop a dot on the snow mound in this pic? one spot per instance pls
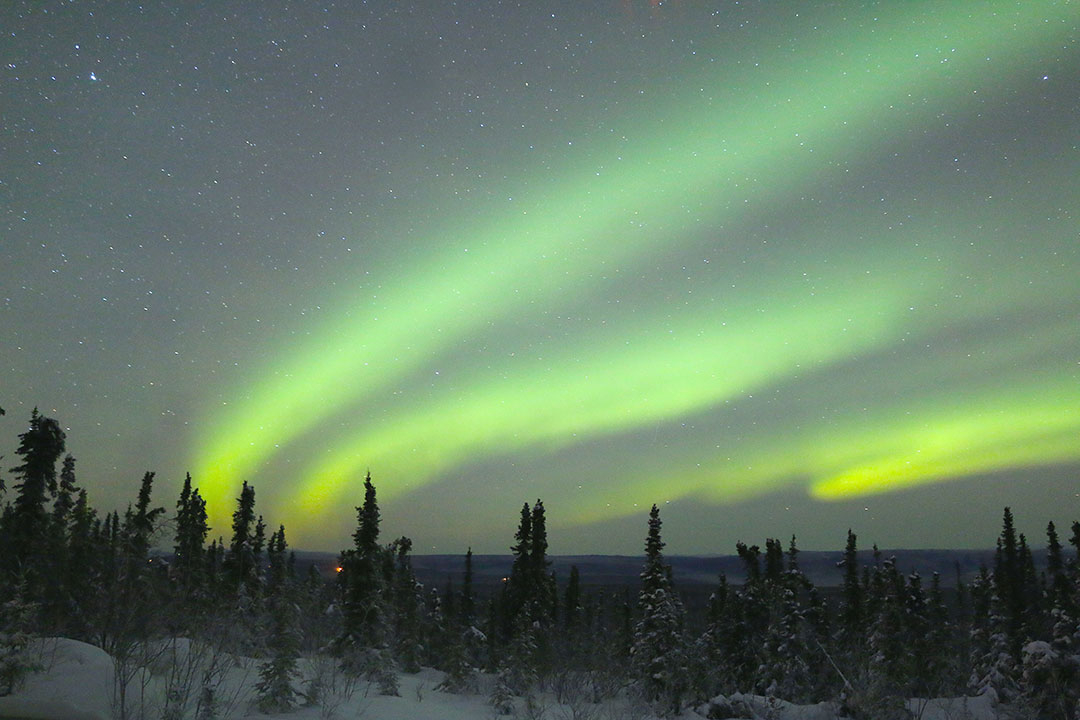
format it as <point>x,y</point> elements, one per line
<point>70,686</point>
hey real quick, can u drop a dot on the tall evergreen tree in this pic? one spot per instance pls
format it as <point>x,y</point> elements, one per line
<point>792,622</point>
<point>851,623</point>
<point>276,689</point>
<point>84,561</point>
<point>1057,580</point>
<point>189,554</point>
<point>141,524</point>
<point>58,601</point>
<point>407,607</point>
<point>129,594</point>
<point>468,605</point>
<point>240,566</point>
<point>518,588</point>
<point>364,585</point>
<point>27,525</point>
<point>67,490</point>
<point>658,656</point>
<point>572,608</point>
<point>277,576</point>
<point>1011,584</point>
<point>543,585</point>
<point>1074,540</point>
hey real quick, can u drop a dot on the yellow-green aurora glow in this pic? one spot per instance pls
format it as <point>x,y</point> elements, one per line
<point>725,248</point>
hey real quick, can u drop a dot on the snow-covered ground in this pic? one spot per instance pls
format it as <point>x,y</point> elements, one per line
<point>76,681</point>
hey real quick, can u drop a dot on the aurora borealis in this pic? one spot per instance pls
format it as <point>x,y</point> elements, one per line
<point>787,269</point>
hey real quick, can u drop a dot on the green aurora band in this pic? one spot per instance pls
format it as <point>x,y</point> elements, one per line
<point>615,217</point>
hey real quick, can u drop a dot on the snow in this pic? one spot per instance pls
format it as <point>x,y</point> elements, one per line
<point>76,682</point>
<point>70,685</point>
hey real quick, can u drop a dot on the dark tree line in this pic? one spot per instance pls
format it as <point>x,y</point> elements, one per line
<point>883,636</point>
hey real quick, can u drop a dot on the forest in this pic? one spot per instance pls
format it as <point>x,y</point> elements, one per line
<point>134,583</point>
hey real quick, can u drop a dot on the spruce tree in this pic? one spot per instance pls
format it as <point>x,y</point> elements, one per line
<point>1074,540</point>
<point>363,641</point>
<point>84,566</point>
<point>658,655</point>
<point>58,601</point>
<point>468,606</point>
<point>527,605</point>
<point>140,526</point>
<point>994,671</point>
<point>572,609</point>
<point>276,690</point>
<point>189,554</point>
<point>942,666</point>
<point>543,585</point>
<point>18,622</point>
<point>887,666</point>
<point>464,642</point>
<point>133,613</point>
<point>1012,576</point>
<point>774,560</point>
<point>852,618</point>
<point>240,564</point>
<point>789,605</point>
<point>1057,583</point>
<point>27,526</point>
<point>407,606</point>
<point>67,490</point>
<point>519,585</point>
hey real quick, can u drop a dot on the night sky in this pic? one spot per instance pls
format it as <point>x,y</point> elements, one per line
<point>777,267</point>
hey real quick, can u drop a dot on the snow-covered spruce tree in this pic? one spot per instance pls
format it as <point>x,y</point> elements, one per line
<point>517,667</point>
<point>18,617</point>
<point>1011,587</point>
<point>1050,671</point>
<point>526,608</point>
<point>659,661</point>
<point>876,687</point>
<point>994,671</point>
<point>407,608</point>
<point>940,669</point>
<point>276,689</point>
<point>502,694</point>
<point>463,653</point>
<point>792,630</point>
<point>849,637</point>
<point>459,676</point>
<point>710,674</point>
<point>363,645</point>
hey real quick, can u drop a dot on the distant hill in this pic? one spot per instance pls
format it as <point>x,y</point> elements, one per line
<point>623,570</point>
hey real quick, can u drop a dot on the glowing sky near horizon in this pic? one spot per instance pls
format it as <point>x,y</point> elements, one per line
<point>701,254</point>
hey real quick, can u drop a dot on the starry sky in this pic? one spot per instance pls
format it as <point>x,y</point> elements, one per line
<point>777,267</point>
